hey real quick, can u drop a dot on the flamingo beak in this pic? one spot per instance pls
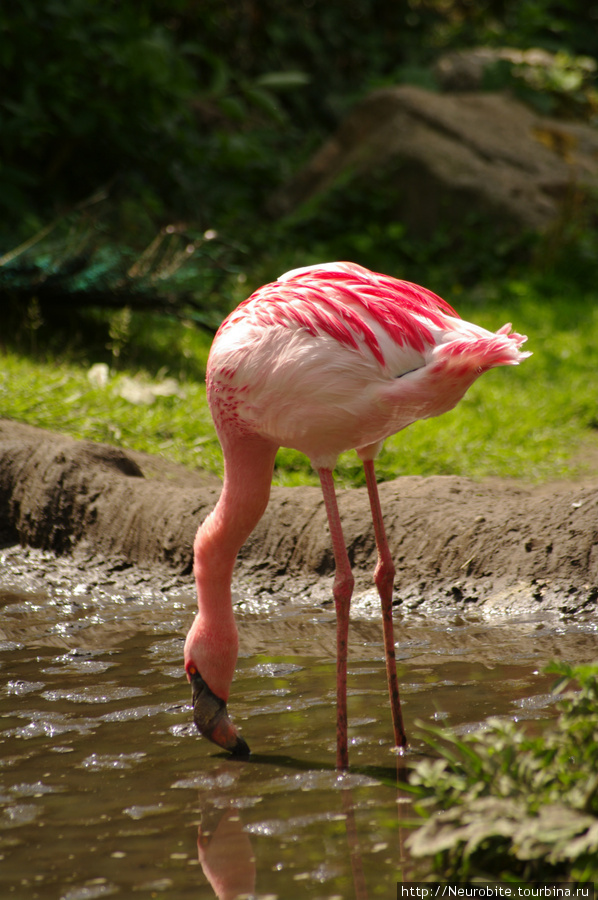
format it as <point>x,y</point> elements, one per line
<point>211,717</point>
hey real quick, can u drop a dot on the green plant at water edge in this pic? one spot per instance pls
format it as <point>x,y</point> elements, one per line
<point>503,804</point>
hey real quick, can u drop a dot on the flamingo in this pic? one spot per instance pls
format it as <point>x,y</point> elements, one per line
<point>328,358</point>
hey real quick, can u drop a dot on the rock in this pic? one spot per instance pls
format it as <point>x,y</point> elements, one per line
<point>440,157</point>
<point>466,70</point>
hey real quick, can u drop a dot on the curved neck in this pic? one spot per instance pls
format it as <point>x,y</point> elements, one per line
<point>212,643</point>
<point>249,463</point>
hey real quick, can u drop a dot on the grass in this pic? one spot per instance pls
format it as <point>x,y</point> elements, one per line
<point>533,422</point>
<point>61,398</point>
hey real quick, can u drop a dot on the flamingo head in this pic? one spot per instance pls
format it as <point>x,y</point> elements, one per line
<point>211,716</point>
<point>211,650</point>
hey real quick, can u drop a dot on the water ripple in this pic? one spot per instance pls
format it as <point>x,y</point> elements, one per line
<point>99,761</point>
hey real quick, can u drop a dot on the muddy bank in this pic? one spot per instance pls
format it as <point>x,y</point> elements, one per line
<point>455,542</point>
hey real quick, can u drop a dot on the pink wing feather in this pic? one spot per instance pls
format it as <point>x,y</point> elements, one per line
<point>338,299</point>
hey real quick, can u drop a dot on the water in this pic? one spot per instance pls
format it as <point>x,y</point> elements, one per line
<point>106,789</point>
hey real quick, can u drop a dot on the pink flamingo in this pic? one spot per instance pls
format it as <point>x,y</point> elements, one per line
<point>326,359</point>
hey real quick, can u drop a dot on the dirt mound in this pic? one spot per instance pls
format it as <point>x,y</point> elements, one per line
<point>499,545</point>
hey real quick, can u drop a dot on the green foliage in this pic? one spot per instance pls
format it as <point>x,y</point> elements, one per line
<point>553,25</point>
<point>201,109</point>
<point>505,804</point>
<point>91,91</point>
<point>332,225</point>
<point>556,84</point>
<point>72,265</point>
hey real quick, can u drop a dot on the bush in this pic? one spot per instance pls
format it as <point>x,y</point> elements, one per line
<point>503,804</point>
<point>93,91</point>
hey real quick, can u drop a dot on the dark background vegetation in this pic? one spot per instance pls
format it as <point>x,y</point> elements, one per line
<point>140,141</point>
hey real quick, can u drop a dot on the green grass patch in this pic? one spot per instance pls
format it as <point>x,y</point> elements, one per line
<point>532,422</point>
<point>61,398</point>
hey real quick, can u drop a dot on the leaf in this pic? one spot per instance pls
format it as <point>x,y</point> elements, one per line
<point>484,818</point>
<point>282,81</point>
<point>584,843</point>
<point>265,101</point>
<point>545,835</point>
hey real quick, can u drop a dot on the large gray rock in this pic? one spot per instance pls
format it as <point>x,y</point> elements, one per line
<point>445,155</point>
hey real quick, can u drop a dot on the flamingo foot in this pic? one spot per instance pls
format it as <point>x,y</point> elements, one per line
<point>211,717</point>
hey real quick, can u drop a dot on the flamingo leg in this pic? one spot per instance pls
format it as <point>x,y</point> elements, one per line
<point>342,591</point>
<point>384,579</point>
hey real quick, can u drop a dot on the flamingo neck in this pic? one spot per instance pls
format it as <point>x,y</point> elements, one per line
<point>212,642</point>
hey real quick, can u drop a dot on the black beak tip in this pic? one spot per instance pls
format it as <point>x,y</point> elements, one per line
<point>241,748</point>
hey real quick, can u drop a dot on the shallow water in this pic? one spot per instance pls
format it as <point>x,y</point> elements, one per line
<point>106,789</point>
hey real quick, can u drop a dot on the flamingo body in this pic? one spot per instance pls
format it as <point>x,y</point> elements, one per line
<point>327,359</point>
<point>334,358</point>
